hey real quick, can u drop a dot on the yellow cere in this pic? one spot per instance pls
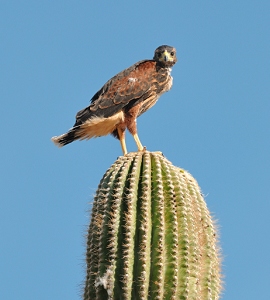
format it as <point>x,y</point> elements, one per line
<point>166,56</point>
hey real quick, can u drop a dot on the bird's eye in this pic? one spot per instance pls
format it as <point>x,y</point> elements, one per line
<point>159,54</point>
<point>172,53</point>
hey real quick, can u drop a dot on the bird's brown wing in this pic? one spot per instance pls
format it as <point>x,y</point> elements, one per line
<point>127,88</point>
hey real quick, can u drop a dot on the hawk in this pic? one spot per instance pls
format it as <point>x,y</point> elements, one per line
<point>126,96</point>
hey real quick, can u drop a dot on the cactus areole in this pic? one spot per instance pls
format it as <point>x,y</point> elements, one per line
<point>151,235</point>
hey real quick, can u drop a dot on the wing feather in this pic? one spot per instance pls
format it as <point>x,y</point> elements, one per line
<point>129,87</point>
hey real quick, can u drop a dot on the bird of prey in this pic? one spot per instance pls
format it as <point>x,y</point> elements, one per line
<point>127,95</point>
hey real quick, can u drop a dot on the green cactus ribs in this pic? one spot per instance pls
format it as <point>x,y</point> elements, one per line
<point>151,235</point>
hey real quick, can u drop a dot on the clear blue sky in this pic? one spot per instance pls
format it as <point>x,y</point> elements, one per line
<point>215,123</point>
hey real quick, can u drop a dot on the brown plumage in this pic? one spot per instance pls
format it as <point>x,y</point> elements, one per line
<point>122,99</point>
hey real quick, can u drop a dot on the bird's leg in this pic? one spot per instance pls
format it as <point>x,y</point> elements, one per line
<point>130,119</point>
<point>121,134</point>
<point>138,142</point>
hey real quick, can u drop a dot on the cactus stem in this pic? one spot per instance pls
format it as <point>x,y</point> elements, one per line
<point>151,235</point>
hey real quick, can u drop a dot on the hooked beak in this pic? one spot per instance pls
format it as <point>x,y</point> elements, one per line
<point>166,56</point>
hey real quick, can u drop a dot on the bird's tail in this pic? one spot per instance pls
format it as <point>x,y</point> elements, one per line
<point>94,127</point>
<point>66,138</point>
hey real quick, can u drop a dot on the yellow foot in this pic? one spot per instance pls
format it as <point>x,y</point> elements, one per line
<point>142,150</point>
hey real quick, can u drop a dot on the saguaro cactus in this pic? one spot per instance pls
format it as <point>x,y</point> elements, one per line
<point>151,235</point>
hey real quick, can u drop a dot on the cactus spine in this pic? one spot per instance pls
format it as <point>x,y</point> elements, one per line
<point>151,235</point>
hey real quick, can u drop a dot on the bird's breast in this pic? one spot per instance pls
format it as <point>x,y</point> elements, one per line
<point>169,83</point>
<point>164,81</point>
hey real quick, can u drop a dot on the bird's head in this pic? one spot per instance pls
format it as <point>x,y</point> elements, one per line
<point>165,56</point>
